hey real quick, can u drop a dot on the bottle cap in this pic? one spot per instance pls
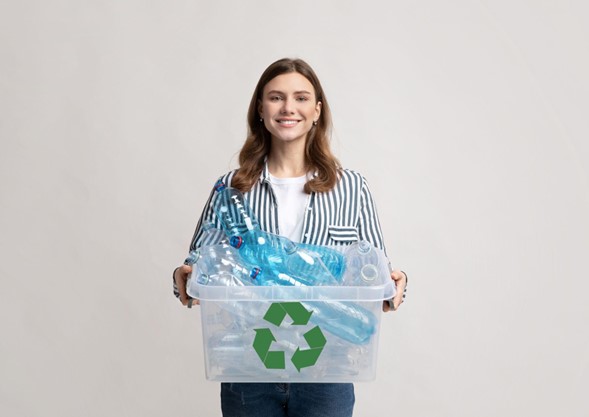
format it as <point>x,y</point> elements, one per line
<point>236,241</point>
<point>255,272</point>
<point>364,246</point>
<point>192,257</point>
<point>220,186</point>
<point>203,279</point>
<point>369,273</point>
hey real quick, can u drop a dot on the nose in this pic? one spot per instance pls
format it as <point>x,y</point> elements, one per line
<point>287,106</point>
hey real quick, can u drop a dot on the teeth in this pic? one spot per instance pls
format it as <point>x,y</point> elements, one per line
<point>287,122</point>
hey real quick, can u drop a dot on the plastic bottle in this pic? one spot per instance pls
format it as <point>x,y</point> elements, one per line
<point>230,353</point>
<point>212,236</point>
<point>334,260</point>
<point>315,265</point>
<point>346,360</point>
<point>344,319</point>
<point>362,265</point>
<point>283,259</point>
<point>221,265</point>
<point>233,210</point>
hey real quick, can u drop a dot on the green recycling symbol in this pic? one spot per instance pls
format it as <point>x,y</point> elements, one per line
<point>300,316</point>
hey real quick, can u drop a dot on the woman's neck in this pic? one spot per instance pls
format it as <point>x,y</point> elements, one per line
<point>287,161</point>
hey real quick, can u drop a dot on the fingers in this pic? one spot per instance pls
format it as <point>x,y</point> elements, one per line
<point>400,279</point>
<point>181,275</point>
<point>397,301</point>
<point>191,302</point>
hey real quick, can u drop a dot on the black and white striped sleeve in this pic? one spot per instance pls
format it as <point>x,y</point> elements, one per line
<point>368,222</point>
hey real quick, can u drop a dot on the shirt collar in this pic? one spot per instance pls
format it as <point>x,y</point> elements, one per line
<point>265,175</point>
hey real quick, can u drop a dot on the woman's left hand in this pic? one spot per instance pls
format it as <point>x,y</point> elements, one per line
<point>400,279</point>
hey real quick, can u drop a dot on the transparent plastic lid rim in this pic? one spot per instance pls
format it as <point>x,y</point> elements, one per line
<point>285,293</point>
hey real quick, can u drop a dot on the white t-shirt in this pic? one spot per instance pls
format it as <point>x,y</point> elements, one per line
<point>292,201</point>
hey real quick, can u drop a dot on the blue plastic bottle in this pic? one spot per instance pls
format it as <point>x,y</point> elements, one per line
<point>283,259</point>
<point>233,210</point>
<point>312,265</point>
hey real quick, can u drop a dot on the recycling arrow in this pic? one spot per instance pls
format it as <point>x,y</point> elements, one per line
<point>262,342</point>
<point>308,357</point>
<point>300,316</point>
<point>297,312</point>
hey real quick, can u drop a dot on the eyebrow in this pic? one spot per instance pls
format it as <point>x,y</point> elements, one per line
<point>296,92</point>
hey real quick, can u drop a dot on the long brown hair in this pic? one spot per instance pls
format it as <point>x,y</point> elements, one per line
<point>318,155</point>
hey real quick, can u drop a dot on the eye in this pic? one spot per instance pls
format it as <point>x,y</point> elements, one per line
<point>275,98</point>
<point>302,98</point>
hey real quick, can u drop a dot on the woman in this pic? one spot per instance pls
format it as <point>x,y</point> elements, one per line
<point>297,189</point>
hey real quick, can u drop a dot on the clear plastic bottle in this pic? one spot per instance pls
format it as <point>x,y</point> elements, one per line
<point>221,265</point>
<point>362,265</point>
<point>334,260</point>
<point>231,353</point>
<point>233,210</point>
<point>344,319</point>
<point>344,359</point>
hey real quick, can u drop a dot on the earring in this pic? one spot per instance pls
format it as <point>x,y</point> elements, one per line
<point>261,119</point>
<point>314,122</point>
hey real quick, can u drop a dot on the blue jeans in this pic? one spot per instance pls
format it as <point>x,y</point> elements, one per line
<point>292,400</point>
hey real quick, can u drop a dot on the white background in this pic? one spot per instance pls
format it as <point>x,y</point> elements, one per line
<point>469,119</point>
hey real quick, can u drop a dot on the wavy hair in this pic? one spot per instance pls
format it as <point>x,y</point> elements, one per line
<point>318,156</point>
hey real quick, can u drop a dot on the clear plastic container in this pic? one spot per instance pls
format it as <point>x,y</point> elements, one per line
<point>290,334</point>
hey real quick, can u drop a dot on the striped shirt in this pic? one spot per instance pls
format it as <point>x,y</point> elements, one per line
<point>339,217</point>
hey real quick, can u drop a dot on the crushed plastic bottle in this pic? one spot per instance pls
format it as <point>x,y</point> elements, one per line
<point>346,320</point>
<point>221,265</point>
<point>283,258</point>
<point>233,211</point>
<point>308,264</point>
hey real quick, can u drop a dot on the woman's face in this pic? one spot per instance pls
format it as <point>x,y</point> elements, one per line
<point>289,107</point>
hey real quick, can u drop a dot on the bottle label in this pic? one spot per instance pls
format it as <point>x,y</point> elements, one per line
<point>240,206</point>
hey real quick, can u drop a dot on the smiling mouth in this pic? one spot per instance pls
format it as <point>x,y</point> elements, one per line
<point>288,122</point>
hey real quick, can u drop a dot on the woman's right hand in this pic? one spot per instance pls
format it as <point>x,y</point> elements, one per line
<point>181,275</point>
